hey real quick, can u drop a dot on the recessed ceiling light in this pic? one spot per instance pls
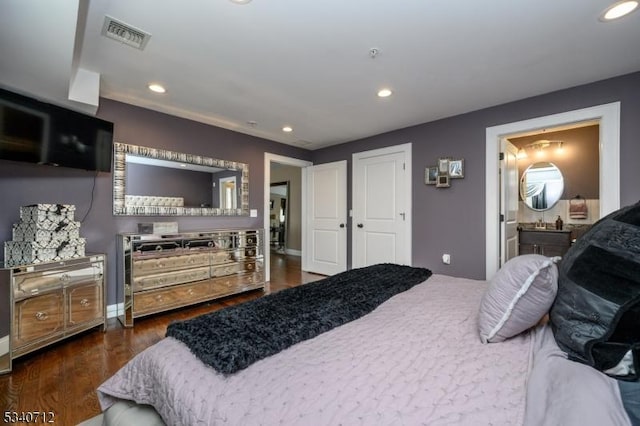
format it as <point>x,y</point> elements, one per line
<point>287,129</point>
<point>157,88</point>
<point>240,1</point>
<point>383,93</point>
<point>618,10</point>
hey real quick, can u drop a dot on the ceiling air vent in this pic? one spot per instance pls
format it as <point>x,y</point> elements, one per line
<point>124,33</point>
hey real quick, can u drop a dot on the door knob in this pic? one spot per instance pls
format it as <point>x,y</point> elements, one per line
<point>342,225</point>
<point>360,225</point>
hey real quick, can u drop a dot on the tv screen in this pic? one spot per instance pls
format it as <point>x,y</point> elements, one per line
<point>38,132</point>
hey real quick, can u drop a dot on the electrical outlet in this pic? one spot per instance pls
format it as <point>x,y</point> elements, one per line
<point>446,259</point>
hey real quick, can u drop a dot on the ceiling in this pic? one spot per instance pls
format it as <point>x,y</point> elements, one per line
<point>257,67</point>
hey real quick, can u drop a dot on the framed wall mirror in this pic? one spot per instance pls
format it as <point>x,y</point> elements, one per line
<point>541,186</point>
<point>156,182</point>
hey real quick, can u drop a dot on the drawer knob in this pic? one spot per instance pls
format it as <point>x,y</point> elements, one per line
<point>84,302</point>
<point>158,248</point>
<point>190,292</point>
<point>41,316</point>
<point>159,298</point>
<point>65,277</point>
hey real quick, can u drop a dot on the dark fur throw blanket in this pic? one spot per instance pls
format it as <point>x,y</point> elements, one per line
<point>233,338</point>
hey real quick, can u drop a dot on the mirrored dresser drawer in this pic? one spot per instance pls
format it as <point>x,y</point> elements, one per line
<point>162,272</point>
<point>47,302</point>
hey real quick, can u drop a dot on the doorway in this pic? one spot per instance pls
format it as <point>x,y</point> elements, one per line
<point>271,164</point>
<point>228,193</point>
<point>325,224</point>
<point>381,231</point>
<point>608,117</point>
<point>279,216</point>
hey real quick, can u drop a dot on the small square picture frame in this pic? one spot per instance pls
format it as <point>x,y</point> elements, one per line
<point>431,175</point>
<point>443,181</point>
<point>443,166</point>
<point>456,169</point>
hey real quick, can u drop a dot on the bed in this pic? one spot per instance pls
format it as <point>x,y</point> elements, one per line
<point>416,358</point>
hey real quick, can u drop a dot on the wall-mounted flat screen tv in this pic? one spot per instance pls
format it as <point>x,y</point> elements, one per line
<point>38,132</point>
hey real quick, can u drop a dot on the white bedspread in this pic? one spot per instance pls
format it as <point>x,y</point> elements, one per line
<point>416,359</point>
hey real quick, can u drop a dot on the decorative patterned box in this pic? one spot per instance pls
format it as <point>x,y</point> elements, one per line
<point>27,252</point>
<point>158,228</point>
<point>46,231</point>
<point>44,212</point>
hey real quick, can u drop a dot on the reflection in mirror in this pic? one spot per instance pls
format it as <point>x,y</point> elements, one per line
<point>228,193</point>
<point>541,186</point>
<point>279,217</point>
<point>150,181</point>
<point>5,322</point>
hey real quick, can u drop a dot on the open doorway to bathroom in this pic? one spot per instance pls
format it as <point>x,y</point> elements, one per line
<point>559,177</point>
<point>608,118</point>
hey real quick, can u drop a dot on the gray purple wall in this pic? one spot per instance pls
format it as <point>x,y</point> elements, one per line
<point>194,187</point>
<point>452,220</point>
<point>444,220</point>
<point>24,183</point>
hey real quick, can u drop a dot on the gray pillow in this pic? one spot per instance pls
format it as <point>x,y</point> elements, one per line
<point>596,314</point>
<point>519,295</point>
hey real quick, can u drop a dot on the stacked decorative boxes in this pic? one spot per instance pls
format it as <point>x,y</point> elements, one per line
<point>46,232</point>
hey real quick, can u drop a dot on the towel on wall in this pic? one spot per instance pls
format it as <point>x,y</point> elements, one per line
<point>578,208</point>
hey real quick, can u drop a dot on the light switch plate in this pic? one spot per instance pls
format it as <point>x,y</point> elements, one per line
<point>253,213</point>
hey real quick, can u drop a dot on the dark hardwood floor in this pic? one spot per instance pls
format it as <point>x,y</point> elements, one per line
<point>62,378</point>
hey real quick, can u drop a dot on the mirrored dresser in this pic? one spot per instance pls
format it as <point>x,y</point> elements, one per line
<point>46,302</point>
<point>159,272</point>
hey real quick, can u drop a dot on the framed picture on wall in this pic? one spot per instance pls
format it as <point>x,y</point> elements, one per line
<point>443,181</point>
<point>431,175</point>
<point>443,166</point>
<point>456,169</point>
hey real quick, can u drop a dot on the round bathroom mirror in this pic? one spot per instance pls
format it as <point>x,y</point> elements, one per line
<point>541,186</point>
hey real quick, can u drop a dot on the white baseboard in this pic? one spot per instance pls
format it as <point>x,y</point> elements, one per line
<point>112,310</point>
<point>4,345</point>
<point>293,252</point>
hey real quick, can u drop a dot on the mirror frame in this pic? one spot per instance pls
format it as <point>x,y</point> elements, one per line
<point>120,152</point>
<point>522,195</point>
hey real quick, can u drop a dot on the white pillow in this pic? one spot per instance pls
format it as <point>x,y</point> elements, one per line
<point>519,295</point>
